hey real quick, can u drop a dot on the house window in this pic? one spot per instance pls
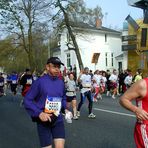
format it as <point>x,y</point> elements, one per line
<point>106,61</point>
<point>68,60</point>
<point>105,37</point>
<point>143,37</point>
<point>112,59</point>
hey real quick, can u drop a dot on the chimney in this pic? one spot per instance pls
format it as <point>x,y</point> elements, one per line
<point>98,23</point>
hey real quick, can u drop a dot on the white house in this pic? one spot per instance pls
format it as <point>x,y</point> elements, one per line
<point>93,40</point>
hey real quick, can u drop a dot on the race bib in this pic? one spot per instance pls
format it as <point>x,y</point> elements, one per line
<point>1,83</point>
<point>13,81</point>
<point>53,105</point>
<point>29,81</point>
<point>87,85</point>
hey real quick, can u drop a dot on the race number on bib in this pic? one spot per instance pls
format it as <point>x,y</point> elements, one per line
<point>53,105</point>
<point>14,81</point>
<point>29,81</point>
<point>1,83</point>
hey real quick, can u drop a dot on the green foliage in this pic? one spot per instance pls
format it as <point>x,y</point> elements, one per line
<point>20,18</point>
<point>12,58</point>
<point>78,12</point>
<point>26,22</point>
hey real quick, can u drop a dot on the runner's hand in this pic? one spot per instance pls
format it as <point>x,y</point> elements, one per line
<point>44,117</point>
<point>141,114</point>
<point>69,113</point>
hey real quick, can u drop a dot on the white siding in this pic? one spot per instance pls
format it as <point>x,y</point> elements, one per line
<point>90,43</point>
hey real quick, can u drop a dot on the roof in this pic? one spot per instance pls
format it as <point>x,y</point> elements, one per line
<point>91,27</point>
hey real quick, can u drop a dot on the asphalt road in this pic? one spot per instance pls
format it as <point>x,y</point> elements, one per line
<point>112,128</point>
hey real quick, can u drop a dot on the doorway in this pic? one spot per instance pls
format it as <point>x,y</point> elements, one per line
<point>120,66</point>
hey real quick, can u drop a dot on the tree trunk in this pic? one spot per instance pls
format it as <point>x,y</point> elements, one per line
<point>77,51</point>
<point>31,61</point>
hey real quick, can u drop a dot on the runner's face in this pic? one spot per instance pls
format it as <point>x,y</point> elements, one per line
<point>28,72</point>
<point>130,73</point>
<point>71,76</point>
<point>115,72</point>
<point>53,69</point>
<point>86,71</point>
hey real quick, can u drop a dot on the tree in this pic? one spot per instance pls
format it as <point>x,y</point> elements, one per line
<point>76,11</point>
<point>19,17</point>
<point>67,22</point>
<point>14,58</point>
<point>11,58</point>
<point>40,45</point>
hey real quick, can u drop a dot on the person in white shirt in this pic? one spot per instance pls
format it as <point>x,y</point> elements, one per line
<point>71,94</point>
<point>96,84</point>
<point>103,81</point>
<point>86,87</point>
<point>113,82</point>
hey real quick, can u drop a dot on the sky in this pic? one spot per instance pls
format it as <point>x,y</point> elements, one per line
<point>116,11</point>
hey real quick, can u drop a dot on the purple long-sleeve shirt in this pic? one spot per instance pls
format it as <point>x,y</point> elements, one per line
<point>46,85</point>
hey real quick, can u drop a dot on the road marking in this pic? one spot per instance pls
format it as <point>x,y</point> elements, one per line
<point>113,112</point>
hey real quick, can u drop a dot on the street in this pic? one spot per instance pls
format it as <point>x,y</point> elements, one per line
<point>112,128</point>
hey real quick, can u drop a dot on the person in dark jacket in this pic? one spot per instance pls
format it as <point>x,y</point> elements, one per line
<point>122,87</point>
<point>108,82</point>
<point>14,82</point>
<point>26,81</point>
<point>1,85</point>
<point>44,102</point>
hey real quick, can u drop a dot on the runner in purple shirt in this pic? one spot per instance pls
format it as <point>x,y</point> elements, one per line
<point>44,102</point>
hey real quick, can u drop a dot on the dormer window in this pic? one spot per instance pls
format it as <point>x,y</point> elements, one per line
<point>68,60</point>
<point>144,37</point>
<point>112,59</point>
